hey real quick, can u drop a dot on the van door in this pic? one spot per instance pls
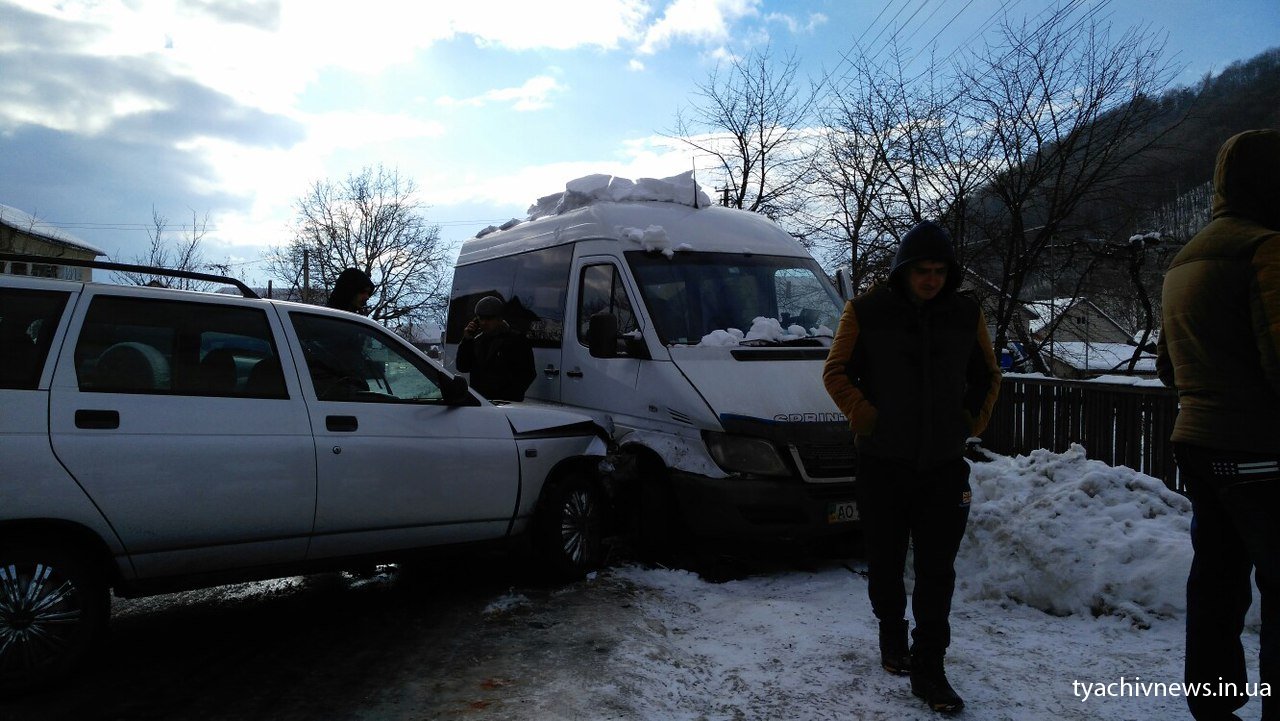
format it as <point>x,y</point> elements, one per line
<point>601,383</point>
<point>197,458</point>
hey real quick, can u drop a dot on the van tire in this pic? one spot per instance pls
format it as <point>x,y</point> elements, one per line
<point>568,527</point>
<point>53,590</point>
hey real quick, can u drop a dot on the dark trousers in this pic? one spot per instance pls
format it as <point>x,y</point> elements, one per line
<point>1235,531</point>
<point>927,510</point>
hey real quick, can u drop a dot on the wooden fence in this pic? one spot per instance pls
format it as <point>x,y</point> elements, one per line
<point>1117,424</point>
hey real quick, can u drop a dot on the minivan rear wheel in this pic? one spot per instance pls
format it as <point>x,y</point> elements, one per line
<point>568,531</point>
<point>53,611</point>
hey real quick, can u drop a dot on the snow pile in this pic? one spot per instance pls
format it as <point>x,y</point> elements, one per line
<point>653,239</point>
<point>1069,535</point>
<point>767,329</point>
<point>507,604</point>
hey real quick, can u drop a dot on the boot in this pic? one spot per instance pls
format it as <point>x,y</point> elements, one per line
<point>929,682</point>
<point>895,655</point>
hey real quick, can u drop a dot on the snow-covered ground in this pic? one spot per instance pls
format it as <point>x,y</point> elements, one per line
<point>1071,575</point>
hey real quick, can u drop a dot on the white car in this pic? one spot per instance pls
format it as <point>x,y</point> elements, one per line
<point>155,440</point>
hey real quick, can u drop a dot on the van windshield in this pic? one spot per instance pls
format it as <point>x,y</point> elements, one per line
<point>732,298</point>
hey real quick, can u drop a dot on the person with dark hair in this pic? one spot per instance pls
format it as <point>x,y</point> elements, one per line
<point>1220,347</point>
<point>351,291</point>
<point>498,359</point>
<point>912,368</point>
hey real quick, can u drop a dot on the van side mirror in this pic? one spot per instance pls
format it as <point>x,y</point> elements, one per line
<point>602,335</point>
<point>844,284</point>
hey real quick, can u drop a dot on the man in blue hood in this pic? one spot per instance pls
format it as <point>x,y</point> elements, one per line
<point>913,369</point>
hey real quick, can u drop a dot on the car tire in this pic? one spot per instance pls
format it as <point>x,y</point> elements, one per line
<point>568,529</point>
<point>53,613</point>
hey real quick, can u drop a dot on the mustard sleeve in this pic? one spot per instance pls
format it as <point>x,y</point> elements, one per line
<point>1265,301</point>
<point>991,373</point>
<point>835,375</point>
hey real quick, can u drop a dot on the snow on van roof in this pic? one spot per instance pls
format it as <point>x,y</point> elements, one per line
<point>584,191</point>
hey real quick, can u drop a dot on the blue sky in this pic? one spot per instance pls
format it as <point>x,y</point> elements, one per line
<point>232,108</point>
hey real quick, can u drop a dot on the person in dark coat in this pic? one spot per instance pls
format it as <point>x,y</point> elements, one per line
<point>912,368</point>
<point>351,291</point>
<point>498,359</point>
<point>1220,347</point>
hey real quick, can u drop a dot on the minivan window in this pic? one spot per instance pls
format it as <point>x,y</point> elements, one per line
<point>602,291</point>
<point>28,319</point>
<point>533,285</point>
<point>351,361</point>
<point>692,294</point>
<point>149,345</point>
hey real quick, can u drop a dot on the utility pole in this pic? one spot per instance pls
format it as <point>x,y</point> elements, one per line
<point>306,275</point>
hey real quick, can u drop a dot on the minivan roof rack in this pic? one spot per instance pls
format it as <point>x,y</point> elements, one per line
<point>245,290</point>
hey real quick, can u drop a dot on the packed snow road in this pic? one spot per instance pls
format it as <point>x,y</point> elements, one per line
<point>1068,605</point>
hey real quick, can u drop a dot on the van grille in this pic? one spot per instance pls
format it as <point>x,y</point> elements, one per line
<point>828,460</point>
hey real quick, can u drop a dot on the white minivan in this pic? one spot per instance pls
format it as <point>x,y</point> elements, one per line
<point>696,334</point>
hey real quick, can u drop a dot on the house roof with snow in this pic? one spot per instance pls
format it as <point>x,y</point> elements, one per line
<point>1099,357</point>
<point>1048,310</point>
<point>30,225</point>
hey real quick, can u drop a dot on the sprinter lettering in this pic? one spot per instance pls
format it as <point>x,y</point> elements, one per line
<point>811,418</point>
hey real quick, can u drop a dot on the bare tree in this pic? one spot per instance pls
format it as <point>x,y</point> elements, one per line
<point>372,221</point>
<point>1064,106</point>
<point>753,119</point>
<point>898,152</point>
<point>186,254</point>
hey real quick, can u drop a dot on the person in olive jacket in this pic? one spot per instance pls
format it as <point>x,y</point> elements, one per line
<point>913,369</point>
<point>498,359</point>
<point>1220,347</point>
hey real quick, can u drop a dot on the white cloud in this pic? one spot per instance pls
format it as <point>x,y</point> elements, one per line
<point>796,27</point>
<point>635,65</point>
<point>700,21</point>
<point>533,95</point>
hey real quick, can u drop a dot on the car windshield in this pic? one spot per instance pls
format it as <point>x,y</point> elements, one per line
<point>735,298</point>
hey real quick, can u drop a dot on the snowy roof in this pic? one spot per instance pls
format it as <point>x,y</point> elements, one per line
<point>1098,357</point>
<point>26,223</point>
<point>1045,311</point>
<point>649,215</point>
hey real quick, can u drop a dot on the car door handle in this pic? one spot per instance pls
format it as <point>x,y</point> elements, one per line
<point>551,371</point>
<point>97,420</point>
<point>575,373</point>
<point>341,424</point>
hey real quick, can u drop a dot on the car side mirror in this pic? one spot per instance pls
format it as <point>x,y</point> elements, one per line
<point>602,335</point>
<point>456,392</point>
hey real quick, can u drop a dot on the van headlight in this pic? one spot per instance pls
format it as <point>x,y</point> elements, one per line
<point>745,454</point>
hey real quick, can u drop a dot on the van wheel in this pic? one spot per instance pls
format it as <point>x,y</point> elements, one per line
<point>53,612</point>
<point>568,530</point>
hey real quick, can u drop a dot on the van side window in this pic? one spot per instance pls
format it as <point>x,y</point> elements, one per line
<point>353,362</point>
<point>538,296</point>
<point>28,319</point>
<point>146,345</point>
<point>602,290</point>
<point>533,285</point>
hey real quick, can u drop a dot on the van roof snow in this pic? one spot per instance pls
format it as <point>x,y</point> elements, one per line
<point>588,189</point>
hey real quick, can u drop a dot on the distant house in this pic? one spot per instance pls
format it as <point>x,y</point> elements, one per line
<point>1078,340</point>
<point>988,297</point>
<point>25,234</point>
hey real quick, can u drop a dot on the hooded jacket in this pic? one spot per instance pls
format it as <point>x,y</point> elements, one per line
<point>500,363</point>
<point>350,282</point>
<point>915,380</point>
<point>1220,315</point>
